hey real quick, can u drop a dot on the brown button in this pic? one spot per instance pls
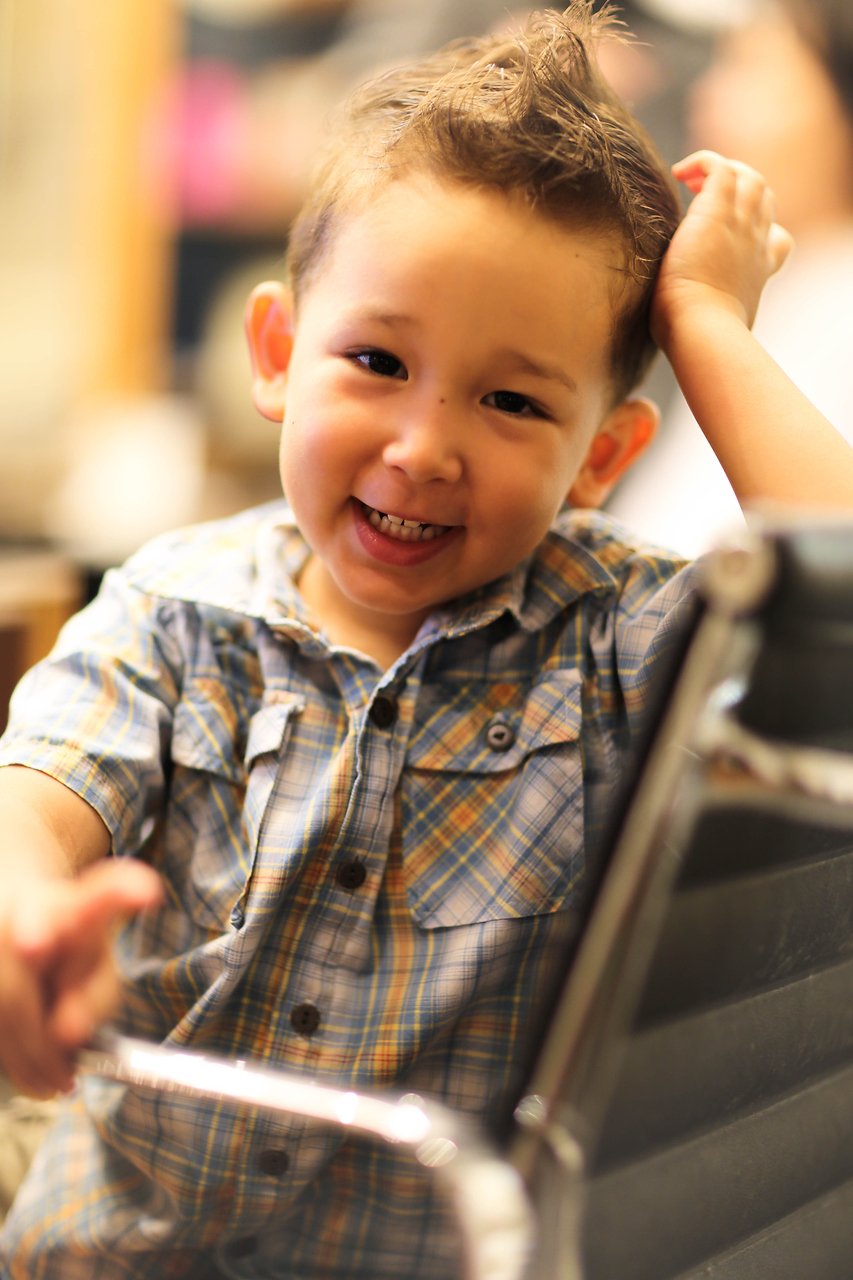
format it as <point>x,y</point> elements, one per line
<point>305,1018</point>
<point>242,1247</point>
<point>273,1162</point>
<point>500,735</point>
<point>351,875</point>
<point>383,711</point>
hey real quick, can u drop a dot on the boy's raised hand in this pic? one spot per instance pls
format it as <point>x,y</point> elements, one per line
<point>775,447</point>
<point>726,248</point>
<point>57,977</point>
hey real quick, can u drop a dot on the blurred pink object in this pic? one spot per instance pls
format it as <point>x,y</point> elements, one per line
<point>195,143</point>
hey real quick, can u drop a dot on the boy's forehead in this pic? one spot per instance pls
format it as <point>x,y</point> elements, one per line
<point>482,269</point>
<point>415,204</point>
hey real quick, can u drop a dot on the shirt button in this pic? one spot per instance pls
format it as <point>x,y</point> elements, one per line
<point>305,1018</point>
<point>351,875</point>
<point>273,1162</point>
<point>383,711</point>
<point>238,916</point>
<point>500,735</point>
<point>242,1247</point>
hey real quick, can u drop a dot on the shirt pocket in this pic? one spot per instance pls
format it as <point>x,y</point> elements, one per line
<point>225,760</point>
<point>492,806</point>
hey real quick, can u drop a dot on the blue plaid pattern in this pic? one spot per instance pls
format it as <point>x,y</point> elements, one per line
<point>225,742</point>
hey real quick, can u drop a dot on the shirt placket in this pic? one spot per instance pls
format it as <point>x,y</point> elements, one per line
<point>330,931</point>
<point>338,934</point>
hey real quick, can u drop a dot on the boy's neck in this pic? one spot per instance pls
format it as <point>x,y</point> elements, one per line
<point>383,637</point>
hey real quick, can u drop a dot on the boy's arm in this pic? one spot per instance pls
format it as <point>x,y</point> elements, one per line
<point>773,444</point>
<point>61,900</point>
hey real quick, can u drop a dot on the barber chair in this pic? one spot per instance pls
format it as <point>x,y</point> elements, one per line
<point>690,1112</point>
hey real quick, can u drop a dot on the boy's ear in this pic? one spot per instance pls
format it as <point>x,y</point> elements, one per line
<point>269,331</point>
<point>619,441</point>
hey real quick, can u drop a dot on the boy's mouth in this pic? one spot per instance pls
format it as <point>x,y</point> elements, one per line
<point>400,529</point>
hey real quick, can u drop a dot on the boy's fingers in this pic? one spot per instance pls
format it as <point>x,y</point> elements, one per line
<point>79,910</point>
<point>40,1070</point>
<point>114,889</point>
<point>35,1063</point>
<point>80,1010</point>
<point>779,244</point>
<point>749,188</point>
<point>700,160</point>
<point>706,161</point>
<point>57,979</point>
<point>695,168</point>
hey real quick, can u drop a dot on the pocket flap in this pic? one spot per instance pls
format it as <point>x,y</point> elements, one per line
<point>268,727</point>
<point>473,734</point>
<point>207,733</point>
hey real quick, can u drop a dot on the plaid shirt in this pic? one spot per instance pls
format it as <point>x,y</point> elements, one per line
<point>372,878</point>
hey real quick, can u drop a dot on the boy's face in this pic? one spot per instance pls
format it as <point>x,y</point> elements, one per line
<point>449,369</point>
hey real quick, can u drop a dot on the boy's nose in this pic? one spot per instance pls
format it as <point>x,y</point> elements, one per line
<point>425,446</point>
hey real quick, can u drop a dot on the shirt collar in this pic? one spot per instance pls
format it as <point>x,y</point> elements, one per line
<point>561,570</point>
<point>250,565</point>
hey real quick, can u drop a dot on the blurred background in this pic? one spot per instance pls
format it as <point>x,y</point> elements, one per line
<point>151,157</point>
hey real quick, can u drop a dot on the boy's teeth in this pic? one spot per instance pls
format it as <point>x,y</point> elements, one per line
<point>403,530</point>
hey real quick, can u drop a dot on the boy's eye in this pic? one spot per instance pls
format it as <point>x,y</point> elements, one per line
<point>380,362</point>
<point>513,402</point>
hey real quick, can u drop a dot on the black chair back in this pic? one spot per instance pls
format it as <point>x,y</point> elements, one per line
<point>691,1113</point>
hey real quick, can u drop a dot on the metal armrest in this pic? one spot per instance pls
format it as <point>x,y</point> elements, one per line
<point>488,1196</point>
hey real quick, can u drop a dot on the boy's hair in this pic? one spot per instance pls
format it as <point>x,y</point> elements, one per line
<point>527,113</point>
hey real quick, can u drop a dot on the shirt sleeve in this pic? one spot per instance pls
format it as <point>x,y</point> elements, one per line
<point>96,713</point>
<point>645,634</point>
<point>662,633</point>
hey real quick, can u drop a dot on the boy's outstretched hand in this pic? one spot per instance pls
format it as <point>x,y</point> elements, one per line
<point>57,977</point>
<point>726,248</point>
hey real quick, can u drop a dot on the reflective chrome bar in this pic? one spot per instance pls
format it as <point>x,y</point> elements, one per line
<point>488,1196</point>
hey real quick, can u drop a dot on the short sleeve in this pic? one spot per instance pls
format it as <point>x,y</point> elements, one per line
<point>96,713</point>
<point>651,625</point>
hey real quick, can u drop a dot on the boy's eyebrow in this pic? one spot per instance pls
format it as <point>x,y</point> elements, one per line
<point>538,368</point>
<point>383,317</point>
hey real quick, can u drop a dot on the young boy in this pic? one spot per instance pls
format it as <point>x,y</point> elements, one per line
<point>366,738</point>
